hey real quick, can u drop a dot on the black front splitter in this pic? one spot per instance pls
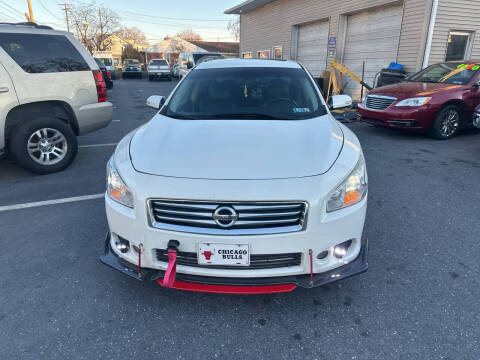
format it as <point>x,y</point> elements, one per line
<point>357,266</point>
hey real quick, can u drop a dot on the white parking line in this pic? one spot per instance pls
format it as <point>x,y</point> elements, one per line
<point>97,145</point>
<point>51,202</point>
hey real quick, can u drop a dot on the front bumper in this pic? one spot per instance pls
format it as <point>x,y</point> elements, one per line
<point>400,118</point>
<point>239,285</point>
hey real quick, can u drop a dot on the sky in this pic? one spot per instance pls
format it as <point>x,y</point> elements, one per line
<point>156,18</point>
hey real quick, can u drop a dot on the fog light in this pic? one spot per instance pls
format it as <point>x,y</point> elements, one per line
<point>341,249</point>
<point>322,255</point>
<point>122,245</point>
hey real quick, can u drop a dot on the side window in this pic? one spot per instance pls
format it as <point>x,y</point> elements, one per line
<point>36,53</point>
<point>190,59</point>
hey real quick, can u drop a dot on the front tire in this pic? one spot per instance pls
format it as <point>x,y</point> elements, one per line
<point>43,145</point>
<point>447,123</point>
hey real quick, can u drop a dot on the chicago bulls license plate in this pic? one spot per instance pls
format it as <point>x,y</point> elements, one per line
<point>223,254</point>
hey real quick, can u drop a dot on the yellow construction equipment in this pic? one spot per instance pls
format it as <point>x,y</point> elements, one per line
<point>342,69</point>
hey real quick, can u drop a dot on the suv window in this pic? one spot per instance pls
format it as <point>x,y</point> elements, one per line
<point>159,62</point>
<point>36,53</point>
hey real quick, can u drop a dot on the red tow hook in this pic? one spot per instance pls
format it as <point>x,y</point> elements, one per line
<point>169,277</point>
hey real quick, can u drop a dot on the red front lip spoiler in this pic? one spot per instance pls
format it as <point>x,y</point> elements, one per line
<point>231,289</point>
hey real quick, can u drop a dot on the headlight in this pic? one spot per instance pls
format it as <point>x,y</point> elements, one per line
<point>116,188</point>
<point>414,101</point>
<point>352,190</point>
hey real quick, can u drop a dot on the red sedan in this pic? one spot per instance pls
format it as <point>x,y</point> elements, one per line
<point>439,99</point>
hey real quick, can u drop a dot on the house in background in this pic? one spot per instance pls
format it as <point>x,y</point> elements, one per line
<point>415,33</point>
<point>170,48</point>
<point>118,44</point>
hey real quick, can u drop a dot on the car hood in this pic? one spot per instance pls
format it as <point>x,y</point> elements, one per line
<point>236,149</point>
<point>412,89</point>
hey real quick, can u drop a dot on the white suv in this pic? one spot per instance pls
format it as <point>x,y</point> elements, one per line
<point>159,68</point>
<point>51,90</point>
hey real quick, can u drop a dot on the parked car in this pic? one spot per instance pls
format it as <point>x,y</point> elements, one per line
<point>175,70</point>
<point>159,69</point>
<point>439,100</point>
<point>106,74</point>
<point>476,117</point>
<point>242,183</point>
<point>187,60</point>
<point>51,90</point>
<point>131,68</point>
<point>107,59</point>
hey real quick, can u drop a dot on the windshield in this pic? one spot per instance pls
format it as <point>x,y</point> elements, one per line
<point>447,73</point>
<point>106,61</point>
<point>246,93</point>
<point>197,57</point>
<point>158,63</point>
<point>131,62</point>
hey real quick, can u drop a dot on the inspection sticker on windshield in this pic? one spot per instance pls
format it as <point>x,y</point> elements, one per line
<point>301,110</point>
<point>223,254</point>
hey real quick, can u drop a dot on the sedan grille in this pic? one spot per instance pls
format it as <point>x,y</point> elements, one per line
<point>379,102</point>
<point>270,261</point>
<point>228,218</point>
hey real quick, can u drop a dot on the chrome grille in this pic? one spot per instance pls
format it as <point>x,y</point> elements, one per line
<point>379,102</point>
<point>253,218</point>
<point>269,261</point>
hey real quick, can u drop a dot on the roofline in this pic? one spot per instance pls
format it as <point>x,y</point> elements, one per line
<point>246,6</point>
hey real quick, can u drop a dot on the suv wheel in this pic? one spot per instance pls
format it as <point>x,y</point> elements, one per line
<point>43,145</point>
<point>447,123</point>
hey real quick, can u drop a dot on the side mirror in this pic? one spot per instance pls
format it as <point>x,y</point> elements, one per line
<point>339,102</point>
<point>189,65</point>
<point>156,101</point>
<point>476,84</point>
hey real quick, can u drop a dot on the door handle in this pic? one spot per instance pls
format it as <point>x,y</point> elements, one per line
<point>3,89</point>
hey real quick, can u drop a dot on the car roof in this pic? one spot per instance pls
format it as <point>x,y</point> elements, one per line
<point>29,28</point>
<point>232,63</point>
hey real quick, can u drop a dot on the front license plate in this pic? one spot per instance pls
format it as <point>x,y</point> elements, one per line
<point>223,254</point>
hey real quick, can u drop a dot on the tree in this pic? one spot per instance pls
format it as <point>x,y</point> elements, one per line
<point>132,33</point>
<point>233,27</point>
<point>99,22</point>
<point>129,52</point>
<point>189,34</point>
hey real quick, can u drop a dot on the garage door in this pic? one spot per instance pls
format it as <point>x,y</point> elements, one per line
<point>371,36</point>
<point>312,46</point>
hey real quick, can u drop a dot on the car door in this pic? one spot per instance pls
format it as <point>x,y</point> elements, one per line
<point>8,100</point>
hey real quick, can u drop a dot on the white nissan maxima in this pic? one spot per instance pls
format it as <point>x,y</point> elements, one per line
<point>242,183</point>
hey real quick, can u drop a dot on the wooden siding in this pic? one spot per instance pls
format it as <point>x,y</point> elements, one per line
<point>271,24</point>
<point>455,15</point>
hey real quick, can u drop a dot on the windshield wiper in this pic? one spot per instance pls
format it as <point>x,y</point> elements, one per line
<point>180,116</point>
<point>259,116</point>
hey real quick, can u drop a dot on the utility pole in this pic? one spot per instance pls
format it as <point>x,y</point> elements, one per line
<point>66,8</point>
<point>100,43</point>
<point>30,17</point>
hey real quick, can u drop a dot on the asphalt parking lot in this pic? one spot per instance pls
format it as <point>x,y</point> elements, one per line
<point>419,299</point>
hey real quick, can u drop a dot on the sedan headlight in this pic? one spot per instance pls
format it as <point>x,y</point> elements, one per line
<point>352,190</point>
<point>419,101</point>
<point>116,188</point>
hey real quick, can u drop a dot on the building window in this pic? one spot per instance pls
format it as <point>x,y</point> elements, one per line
<point>247,55</point>
<point>263,54</point>
<point>277,53</point>
<point>459,45</point>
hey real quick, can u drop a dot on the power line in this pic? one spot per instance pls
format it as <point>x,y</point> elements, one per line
<point>12,8</point>
<point>9,17</point>
<point>45,8</point>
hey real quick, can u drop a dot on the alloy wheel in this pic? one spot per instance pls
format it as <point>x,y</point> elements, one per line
<point>47,146</point>
<point>449,123</point>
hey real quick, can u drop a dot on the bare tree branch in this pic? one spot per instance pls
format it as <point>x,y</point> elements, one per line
<point>188,34</point>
